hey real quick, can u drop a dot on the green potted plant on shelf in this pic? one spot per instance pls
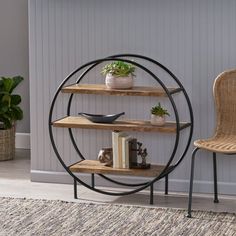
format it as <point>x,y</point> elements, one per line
<point>10,112</point>
<point>119,75</point>
<point>158,115</point>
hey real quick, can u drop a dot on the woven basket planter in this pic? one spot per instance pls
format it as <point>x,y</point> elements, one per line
<point>7,144</point>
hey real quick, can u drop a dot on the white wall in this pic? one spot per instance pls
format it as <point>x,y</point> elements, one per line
<point>14,51</point>
<point>194,39</point>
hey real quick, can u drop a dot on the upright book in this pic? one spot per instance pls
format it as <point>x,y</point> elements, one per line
<point>117,148</point>
<point>125,151</point>
<point>120,149</point>
<point>133,153</point>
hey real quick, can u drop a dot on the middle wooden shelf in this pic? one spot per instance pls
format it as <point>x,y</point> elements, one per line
<point>121,125</point>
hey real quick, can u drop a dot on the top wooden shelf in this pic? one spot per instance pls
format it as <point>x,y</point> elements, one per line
<point>103,90</point>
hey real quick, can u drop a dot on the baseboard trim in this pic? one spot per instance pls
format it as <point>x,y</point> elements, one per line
<point>23,140</point>
<point>175,185</point>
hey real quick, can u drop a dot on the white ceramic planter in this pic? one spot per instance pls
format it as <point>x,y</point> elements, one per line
<point>119,82</point>
<point>158,120</point>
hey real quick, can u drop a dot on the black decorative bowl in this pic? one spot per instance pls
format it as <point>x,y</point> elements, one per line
<point>101,118</point>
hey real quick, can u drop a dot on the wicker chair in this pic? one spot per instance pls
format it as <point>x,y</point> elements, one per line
<point>224,139</point>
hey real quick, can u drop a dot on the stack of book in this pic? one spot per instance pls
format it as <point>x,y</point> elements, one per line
<point>124,150</point>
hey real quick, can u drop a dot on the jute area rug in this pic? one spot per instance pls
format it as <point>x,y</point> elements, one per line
<point>27,217</point>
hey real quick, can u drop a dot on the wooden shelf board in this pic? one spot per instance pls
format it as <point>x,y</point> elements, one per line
<point>121,125</point>
<point>101,89</point>
<point>94,166</point>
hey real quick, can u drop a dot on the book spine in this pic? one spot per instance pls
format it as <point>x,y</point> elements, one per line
<point>115,136</point>
<point>126,147</point>
<point>120,164</point>
<point>133,152</point>
<point>124,155</point>
<point>125,152</point>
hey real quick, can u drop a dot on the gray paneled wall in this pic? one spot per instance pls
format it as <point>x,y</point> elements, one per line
<point>195,39</point>
<point>14,59</point>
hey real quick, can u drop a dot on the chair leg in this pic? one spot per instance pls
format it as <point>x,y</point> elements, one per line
<point>151,194</point>
<point>92,180</point>
<point>75,189</point>
<point>191,184</point>
<point>216,200</point>
<point>166,184</point>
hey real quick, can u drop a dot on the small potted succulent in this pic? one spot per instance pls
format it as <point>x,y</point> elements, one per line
<point>10,112</point>
<point>158,115</point>
<point>119,75</point>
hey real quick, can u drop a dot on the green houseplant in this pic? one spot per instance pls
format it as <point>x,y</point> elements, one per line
<point>158,115</point>
<point>10,112</point>
<point>119,75</point>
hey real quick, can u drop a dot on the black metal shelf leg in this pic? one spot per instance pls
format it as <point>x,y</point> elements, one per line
<point>166,184</point>
<point>191,184</point>
<point>151,194</point>
<point>92,180</point>
<point>216,200</point>
<point>75,189</point>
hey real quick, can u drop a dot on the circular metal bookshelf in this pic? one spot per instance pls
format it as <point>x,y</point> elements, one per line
<point>169,167</point>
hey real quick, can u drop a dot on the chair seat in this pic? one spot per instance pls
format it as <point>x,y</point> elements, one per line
<point>221,143</point>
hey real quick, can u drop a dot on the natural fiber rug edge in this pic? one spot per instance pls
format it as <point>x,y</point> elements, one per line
<point>88,202</point>
<point>41,217</point>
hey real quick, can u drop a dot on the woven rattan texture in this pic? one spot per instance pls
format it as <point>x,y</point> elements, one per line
<point>7,144</point>
<point>224,139</point>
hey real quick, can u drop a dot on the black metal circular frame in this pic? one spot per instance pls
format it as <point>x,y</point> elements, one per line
<point>168,167</point>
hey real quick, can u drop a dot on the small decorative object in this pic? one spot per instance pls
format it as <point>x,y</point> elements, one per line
<point>158,114</point>
<point>101,118</point>
<point>10,112</point>
<point>143,154</point>
<point>119,75</point>
<point>105,156</point>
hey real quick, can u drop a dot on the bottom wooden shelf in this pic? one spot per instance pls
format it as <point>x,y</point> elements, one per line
<point>94,166</point>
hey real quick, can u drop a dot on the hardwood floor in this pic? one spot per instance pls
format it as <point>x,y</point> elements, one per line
<point>15,182</point>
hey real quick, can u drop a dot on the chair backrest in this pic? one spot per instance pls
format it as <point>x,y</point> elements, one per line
<point>224,91</point>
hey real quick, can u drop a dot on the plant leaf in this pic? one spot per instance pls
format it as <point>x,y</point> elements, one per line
<point>7,84</point>
<point>17,113</point>
<point>15,99</point>
<point>9,109</point>
<point>6,99</point>
<point>3,93</point>
<point>16,80</point>
<point>3,109</point>
<point>6,121</point>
